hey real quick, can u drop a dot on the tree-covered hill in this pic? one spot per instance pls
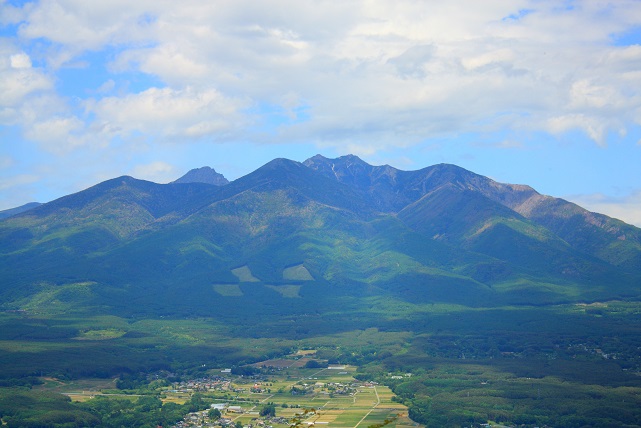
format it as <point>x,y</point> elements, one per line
<point>440,234</point>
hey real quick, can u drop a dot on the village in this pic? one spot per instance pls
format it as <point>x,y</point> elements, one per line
<point>282,395</point>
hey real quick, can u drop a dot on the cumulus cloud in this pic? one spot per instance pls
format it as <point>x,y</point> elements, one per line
<point>18,80</point>
<point>28,100</point>
<point>20,60</point>
<point>58,134</point>
<point>75,26</point>
<point>369,72</point>
<point>169,114</point>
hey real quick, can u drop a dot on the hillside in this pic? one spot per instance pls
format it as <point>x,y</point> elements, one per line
<point>439,234</point>
<point>473,300</point>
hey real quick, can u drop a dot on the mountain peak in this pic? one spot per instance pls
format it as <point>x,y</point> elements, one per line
<point>353,159</point>
<point>344,168</point>
<point>345,159</point>
<point>203,175</point>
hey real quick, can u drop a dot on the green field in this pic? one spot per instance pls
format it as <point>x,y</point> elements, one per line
<point>365,404</point>
<point>525,364</point>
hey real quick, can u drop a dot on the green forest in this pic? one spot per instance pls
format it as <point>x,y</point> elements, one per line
<point>563,365</point>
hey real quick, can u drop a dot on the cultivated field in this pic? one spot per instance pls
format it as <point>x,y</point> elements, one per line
<point>329,397</point>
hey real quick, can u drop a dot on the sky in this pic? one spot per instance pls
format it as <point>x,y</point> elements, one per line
<point>539,92</point>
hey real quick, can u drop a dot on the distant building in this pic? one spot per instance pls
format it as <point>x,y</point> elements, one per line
<point>219,406</point>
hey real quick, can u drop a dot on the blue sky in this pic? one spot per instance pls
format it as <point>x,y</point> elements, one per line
<point>545,93</point>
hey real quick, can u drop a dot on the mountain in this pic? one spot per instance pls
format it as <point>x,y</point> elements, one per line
<point>393,191</point>
<point>327,232</point>
<point>203,175</point>
<point>13,211</point>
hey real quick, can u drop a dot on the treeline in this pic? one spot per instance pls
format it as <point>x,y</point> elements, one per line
<point>26,408</point>
<point>457,393</point>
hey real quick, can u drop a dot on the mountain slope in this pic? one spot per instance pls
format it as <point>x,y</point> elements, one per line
<point>439,234</point>
<point>391,190</point>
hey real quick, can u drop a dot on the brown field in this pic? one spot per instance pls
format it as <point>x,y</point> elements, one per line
<point>282,363</point>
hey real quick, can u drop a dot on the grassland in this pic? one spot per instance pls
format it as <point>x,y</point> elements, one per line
<point>244,274</point>
<point>297,273</point>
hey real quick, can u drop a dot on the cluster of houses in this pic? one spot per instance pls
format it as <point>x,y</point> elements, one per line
<point>260,388</point>
<point>330,388</point>
<point>202,419</point>
<point>213,383</point>
<point>261,423</point>
<point>199,419</point>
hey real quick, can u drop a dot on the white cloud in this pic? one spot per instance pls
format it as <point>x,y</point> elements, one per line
<point>6,184</point>
<point>18,80</point>
<point>369,72</point>
<point>20,60</point>
<point>10,14</point>
<point>414,61</point>
<point>592,126</point>
<point>158,172</point>
<point>626,208</point>
<point>498,56</point>
<point>28,100</point>
<point>17,85</point>
<point>169,114</point>
<point>106,87</point>
<point>76,26</point>
<point>58,134</point>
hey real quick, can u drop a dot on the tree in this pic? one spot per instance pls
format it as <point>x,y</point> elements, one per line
<point>214,414</point>
<point>147,403</point>
<point>313,364</point>
<point>268,410</point>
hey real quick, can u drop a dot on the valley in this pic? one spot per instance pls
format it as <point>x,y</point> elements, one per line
<point>462,300</point>
<point>337,399</point>
<point>510,365</point>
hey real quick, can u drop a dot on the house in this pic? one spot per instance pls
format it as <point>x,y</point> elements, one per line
<point>219,406</point>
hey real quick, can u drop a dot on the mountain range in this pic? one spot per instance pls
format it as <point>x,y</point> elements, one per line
<point>296,237</point>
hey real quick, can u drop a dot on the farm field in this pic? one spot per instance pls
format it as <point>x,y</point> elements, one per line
<point>469,366</point>
<point>329,397</point>
<point>326,397</point>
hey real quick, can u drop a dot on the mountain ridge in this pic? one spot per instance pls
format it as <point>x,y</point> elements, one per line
<point>547,211</point>
<point>440,233</point>
<point>17,210</point>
